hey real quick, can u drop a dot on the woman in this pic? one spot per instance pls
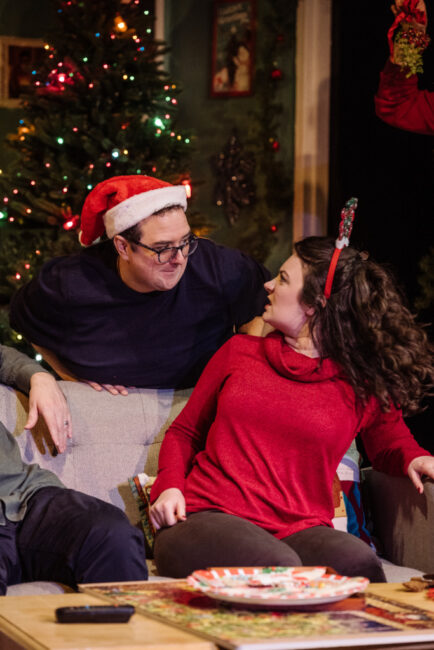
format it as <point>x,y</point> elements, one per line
<point>253,454</point>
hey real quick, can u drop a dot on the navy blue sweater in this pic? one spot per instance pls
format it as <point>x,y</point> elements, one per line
<point>102,330</point>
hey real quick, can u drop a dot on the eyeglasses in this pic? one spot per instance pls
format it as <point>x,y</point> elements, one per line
<point>169,253</point>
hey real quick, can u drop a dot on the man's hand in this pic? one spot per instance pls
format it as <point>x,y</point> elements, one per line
<point>396,8</point>
<point>420,466</point>
<point>112,389</point>
<point>168,509</point>
<point>66,375</point>
<point>47,399</point>
<point>255,327</point>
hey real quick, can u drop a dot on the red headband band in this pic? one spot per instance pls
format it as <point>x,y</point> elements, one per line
<point>345,228</point>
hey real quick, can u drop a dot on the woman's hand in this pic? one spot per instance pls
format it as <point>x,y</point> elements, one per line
<point>168,509</point>
<point>46,399</point>
<point>420,466</point>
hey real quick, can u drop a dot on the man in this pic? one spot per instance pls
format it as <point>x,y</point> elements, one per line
<point>146,308</point>
<point>399,101</point>
<point>48,532</point>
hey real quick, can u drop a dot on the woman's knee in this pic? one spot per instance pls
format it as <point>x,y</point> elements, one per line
<point>214,538</point>
<point>345,553</point>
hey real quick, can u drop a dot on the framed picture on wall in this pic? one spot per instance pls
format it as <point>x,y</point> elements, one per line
<point>233,41</point>
<point>18,57</point>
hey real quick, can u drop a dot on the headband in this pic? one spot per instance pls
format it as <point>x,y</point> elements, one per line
<point>345,228</point>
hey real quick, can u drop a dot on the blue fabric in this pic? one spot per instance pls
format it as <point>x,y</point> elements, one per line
<point>104,331</point>
<point>356,522</point>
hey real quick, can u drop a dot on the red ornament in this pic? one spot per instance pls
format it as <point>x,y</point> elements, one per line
<point>60,78</point>
<point>273,228</point>
<point>275,146</point>
<point>71,221</point>
<point>276,74</point>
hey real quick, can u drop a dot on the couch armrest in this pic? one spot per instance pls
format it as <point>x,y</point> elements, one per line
<point>403,519</point>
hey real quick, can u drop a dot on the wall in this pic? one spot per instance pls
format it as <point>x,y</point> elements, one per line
<point>24,19</point>
<point>189,32</point>
<point>312,118</point>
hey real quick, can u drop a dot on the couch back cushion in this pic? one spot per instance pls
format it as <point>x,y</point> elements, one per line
<point>114,437</point>
<point>117,437</point>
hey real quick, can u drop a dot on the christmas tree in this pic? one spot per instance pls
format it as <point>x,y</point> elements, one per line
<point>100,105</point>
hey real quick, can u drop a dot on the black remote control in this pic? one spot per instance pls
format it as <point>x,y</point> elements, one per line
<point>95,614</point>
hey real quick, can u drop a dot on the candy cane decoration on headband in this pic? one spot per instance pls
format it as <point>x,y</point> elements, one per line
<point>345,228</point>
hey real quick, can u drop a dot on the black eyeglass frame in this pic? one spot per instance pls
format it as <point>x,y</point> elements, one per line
<point>192,243</point>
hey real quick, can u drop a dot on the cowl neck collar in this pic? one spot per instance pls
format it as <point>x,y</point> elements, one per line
<point>289,363</point>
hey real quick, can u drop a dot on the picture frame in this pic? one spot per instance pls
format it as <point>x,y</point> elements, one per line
<point>17,59</point>
<point>233,48</point>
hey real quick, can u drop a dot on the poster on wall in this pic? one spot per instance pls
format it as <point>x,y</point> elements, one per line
<point>232,60</point>
<point>18,58</point>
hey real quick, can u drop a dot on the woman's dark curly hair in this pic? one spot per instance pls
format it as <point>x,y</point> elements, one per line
<point>365,327</point>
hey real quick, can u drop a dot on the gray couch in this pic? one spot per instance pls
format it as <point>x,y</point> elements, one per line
<point>116,437</point>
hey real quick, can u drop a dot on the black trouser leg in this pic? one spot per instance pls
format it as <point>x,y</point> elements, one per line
<point>71,537</point>
<point>10,568</point>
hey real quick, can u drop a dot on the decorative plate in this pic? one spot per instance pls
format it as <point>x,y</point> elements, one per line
<point>275,586</point>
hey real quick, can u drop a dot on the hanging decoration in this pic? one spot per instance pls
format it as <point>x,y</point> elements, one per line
<point>264,125</point>
<point>407,38</point>
<point>234,169</point>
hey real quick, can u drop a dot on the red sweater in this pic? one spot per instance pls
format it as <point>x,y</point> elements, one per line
<point>400,103</point>
<point>264,431</point>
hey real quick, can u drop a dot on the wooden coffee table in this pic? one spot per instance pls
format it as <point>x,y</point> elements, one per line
<point>28,622</point>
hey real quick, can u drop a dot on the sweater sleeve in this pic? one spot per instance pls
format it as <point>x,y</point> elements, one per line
<point>16,368</point>
<point>187,435</point>
<point>39,310</point>
<point>400,103</point>
<point>388,442</point>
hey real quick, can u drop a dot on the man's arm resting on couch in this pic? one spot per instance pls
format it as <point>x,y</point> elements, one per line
<point>53,361</point>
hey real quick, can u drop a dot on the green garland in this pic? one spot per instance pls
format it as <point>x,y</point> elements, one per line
<point>409,46</point>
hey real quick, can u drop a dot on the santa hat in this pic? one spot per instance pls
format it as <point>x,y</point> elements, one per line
<point>122,201</point>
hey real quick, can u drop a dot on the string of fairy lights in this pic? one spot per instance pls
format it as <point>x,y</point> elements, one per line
<point>64,77</point>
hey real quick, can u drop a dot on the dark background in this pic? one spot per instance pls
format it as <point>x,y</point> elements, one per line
<point>391,171</point>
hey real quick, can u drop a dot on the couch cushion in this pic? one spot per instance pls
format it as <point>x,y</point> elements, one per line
<point>38,588</point>
<point>114,437</point>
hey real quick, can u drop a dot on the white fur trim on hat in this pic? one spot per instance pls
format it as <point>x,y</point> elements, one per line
<point>141,206</point>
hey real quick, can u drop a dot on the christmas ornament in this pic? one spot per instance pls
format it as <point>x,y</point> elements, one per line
<point>408,44</point>
<point>235,186</point>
